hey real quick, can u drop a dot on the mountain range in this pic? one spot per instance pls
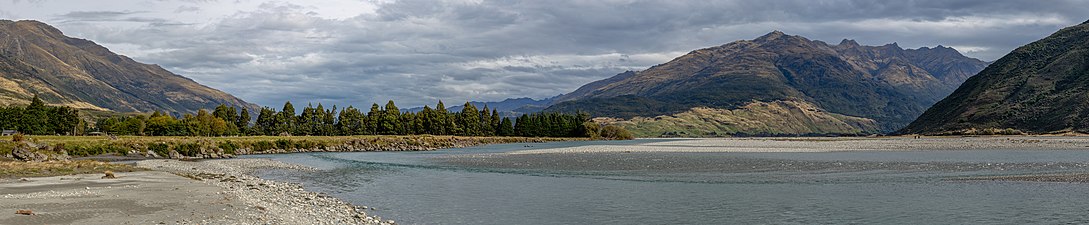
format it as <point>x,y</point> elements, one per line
<point>886,84</point>
<point>511,107</point>
<point>38,59</point>
<point>1042,87</point>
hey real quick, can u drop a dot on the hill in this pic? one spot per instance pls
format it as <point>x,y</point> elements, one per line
<point>887,84</point>
<point>1042,87</point>
<point>36,58</point>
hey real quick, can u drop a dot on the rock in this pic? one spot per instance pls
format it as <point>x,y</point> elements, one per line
<point>24,154</point>
<point>152,154</point>
<point>109,175</point>
<point>24,212</point>
<point>175,155</point>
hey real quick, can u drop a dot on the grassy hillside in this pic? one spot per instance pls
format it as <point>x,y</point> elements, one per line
<point>776,118</point>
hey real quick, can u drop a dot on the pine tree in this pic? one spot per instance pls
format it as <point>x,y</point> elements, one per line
<point>329,121</point>
<point>443,125</point>
<point>390,122</point>
<point>506,128</point>
<point>373,119</point>
<point>266,122</point>
<point>243,121</point>
<point>495,122</point>
<point>286,121</point>
<point>469,120</point>
<point>486,129</point>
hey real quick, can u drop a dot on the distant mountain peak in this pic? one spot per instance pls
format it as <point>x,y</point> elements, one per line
<point>776,34</point>
<point>893,45</point>
<point>849,43</point>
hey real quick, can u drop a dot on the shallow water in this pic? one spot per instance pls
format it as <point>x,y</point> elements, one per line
<point>469,186</point>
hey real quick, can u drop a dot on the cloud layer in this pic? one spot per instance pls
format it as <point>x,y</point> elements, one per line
<point>419,51</point>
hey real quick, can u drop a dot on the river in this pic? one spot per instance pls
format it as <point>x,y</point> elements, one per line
<point>454,186</point>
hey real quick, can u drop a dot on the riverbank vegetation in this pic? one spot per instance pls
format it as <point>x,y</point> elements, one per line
<point>221,147</point>
<point>14,169</point>
<point>40,119</point>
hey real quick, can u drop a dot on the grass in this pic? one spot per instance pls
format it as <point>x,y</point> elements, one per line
<point>778,118</point>
<point>15,169</point>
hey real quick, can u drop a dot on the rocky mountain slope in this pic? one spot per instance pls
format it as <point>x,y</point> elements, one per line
<point>36,58</point>
<point>887,84</point>
<point>1041,87</point>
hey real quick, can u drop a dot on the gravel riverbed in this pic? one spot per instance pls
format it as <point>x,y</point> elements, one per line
<point>265,201</point>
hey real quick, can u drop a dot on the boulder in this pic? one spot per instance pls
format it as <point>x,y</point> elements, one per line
<point>175,155</point>
<point>152,154</point>
<point>25,154</point>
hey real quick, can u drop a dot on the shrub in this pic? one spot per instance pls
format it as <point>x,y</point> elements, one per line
<point>18,137</point>
<point>613,132</point>
<point>262,146</point>
<point>228,147</point>
<point>162,149</point>
<point>284,144</point>
<point>188,149</point>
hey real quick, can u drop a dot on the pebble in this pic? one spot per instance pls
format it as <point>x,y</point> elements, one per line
<point>275,202</point>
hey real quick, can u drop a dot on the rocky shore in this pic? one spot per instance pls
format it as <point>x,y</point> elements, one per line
<point>265,201</point>
<point>175,192</point>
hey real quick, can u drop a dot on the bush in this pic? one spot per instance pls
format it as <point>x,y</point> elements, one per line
<point>162,149</point>
<point>262,146</point>
<point>228,147</point>
<point>18,137</point>
<point>283,144</point>
<point>188,149</point>
<point>613,132</point>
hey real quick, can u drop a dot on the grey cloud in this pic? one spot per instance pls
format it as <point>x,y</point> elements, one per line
<point>182,9</point>
<point>417,52</point>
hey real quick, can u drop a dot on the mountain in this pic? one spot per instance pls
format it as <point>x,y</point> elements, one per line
<point>510,107</point>
<point>36,58</point>
<point>887,84</point>
<point>1042,87</point>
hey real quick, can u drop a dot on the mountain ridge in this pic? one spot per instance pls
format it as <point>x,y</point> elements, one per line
<point>1037,88</point>
<point>38,59</point>
<point>886,83</point>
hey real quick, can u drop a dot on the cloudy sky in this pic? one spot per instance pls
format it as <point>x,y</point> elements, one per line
<point>419,51</point>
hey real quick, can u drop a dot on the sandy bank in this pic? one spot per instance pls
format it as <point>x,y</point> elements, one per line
<point>835,144</point>
<point>207,192</point>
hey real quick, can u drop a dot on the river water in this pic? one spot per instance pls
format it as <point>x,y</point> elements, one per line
<point>461,186</point>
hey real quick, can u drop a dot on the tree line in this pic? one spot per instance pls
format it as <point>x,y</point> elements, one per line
<point>40,119</point>
<point>320,121</point>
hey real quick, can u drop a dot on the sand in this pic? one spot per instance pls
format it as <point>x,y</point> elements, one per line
<point>176,192</point>
<point>147,197</point>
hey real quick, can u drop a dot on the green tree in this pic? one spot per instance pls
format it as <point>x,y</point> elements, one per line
<point>442,124</point>
<point>469,121</point>
<point>390,121</point>
<point>243,121</point>
<point>374,117</point>
<point>506,128</point>
<point>495,123</point>
<point>328,121</point>
<point>266,122</point>
<point>286,121</point>
<point>350,121</point>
